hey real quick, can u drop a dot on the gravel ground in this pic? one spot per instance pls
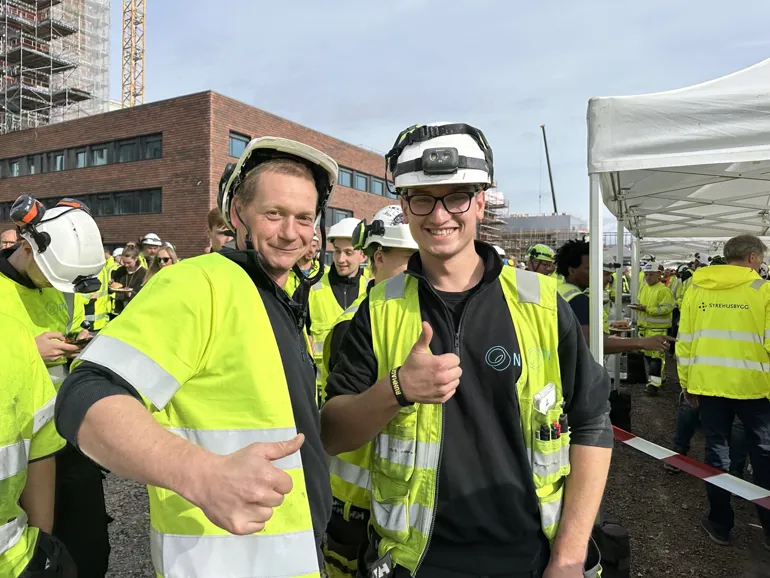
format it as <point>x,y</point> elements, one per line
<point>661,510</point>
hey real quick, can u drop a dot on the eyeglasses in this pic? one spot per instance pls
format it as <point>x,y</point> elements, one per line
<point>422,205</point>
<point>164,260</point>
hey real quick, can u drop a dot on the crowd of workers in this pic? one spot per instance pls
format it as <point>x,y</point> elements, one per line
<point>418,407</point>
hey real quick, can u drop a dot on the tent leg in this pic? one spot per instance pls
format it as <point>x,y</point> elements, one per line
<point>619,246</point>
<point>634,272</point>
<point>596,286</point>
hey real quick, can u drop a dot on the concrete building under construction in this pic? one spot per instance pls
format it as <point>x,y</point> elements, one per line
<point>522,231</point>
<point>55,61</point>
<point>492,225</point>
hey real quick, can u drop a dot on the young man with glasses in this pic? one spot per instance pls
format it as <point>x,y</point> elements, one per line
<point>488,417</point>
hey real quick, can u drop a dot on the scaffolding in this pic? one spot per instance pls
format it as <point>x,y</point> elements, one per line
<point>54,56</point>
<point>492,224</point>
<point>517,243</point>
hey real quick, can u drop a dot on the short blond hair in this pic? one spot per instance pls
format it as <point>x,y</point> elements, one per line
<point>290,167</point>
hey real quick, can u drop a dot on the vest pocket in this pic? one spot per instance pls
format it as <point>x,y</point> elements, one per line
<point>390,507</point>
<point>550,456</point>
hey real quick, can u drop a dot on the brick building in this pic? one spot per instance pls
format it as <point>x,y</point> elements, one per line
<point>155,168</point>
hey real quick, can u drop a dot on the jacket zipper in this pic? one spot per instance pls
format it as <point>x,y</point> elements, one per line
<point>443,409</point>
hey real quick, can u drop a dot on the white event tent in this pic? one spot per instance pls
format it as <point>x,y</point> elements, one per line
<point>692,162</point>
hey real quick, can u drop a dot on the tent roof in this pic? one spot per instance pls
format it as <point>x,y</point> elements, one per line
<point>692,162</point>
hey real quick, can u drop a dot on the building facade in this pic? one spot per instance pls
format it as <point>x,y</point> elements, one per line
<point>522,231</point>
<point>155,168</point>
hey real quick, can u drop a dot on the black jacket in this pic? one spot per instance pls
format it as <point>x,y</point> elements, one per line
<point>89,383</point>
<point>487,516</point>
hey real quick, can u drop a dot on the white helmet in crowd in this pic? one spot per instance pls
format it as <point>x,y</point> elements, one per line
<point>343,230</point>
<point>500,251</point>
<point>117,252</point>
<point>649,267</point>
<point>441,154</point>
<point>764,272</point>
<point>65,240</point>
<point>152,239</point>
<point>387,229</point>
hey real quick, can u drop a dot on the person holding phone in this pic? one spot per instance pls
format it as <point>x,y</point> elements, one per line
<point>127,280</point>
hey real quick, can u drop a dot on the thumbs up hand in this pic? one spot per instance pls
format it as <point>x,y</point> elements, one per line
<point>428,378</point>
<point>244,487</point>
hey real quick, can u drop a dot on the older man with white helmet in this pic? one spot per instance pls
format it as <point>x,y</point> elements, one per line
<point>61,254</point>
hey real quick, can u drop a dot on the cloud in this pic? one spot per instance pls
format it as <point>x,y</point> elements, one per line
<point>362,71</point>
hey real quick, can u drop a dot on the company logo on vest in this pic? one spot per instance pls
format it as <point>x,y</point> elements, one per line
<point>499,359</point>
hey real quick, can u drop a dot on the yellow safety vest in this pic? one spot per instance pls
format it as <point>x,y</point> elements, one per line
<point>559,278</point>
<point>350,470</point>
<point>27,432</point>
<point>405,454</point>
<point>208,366</point>
<point>49,309</point>
<point>681,290</point>
<point>660,305</point>
<point>568,292</point>
<point>293,282</point>
<point>324,312</point>
<point>723,342</point>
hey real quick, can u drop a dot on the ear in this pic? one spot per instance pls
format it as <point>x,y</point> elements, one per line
<point>404,209</point>
<point>479,202</point>
<point>378,258</point>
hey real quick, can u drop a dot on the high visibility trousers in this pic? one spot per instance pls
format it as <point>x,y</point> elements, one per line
<point>656,360</point>
<point>80,515</point>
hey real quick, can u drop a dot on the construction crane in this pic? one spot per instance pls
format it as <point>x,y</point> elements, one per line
<point>133,52</point>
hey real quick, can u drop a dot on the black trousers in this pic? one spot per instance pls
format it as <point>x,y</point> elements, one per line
<point>50,560</point>
<point>80,514</point>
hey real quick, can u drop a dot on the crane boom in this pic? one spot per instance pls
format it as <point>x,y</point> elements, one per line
<point>133,52</point>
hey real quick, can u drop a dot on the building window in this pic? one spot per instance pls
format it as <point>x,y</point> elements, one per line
<point>153,147</point>
<point>378,187</point>
<point>98,156</point>
<point>127,151</point>
<point>81,159</point>
<point>345,178</point>
<point>334,215</point>
<point>103,205</point>
<point>14,168</point>
<point>361,182</point>
<point>31,166</point>
<point>238,144</point>
<point>57,161</point>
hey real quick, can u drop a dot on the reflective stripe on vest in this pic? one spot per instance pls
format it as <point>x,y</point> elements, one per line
<point>725,362</point>
<point>722,334</point>
<point>43,415</point>
<point>348,471</point>
<point>568,291</point>
<point>13,459</point>
<point>58,374</point>
<point>186,383</point>
<point>406,456</point>
<point>11,532</point>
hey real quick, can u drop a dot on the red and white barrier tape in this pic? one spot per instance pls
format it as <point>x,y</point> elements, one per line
<point>734,485</point>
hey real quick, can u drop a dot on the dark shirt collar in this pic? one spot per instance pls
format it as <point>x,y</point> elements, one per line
<point>493,264</point>
<point>10,271</point>
<point>336,279</point>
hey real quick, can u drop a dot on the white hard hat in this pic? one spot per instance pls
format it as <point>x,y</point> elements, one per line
<point>649,268</point>
<point>499,249</point>
<point>151,239</point>
<point>74,251</point>
<point>259,150</point>
<point>440,154</point>
<point>388,229</point>
<point>117,252</point>
<point>343,230</point>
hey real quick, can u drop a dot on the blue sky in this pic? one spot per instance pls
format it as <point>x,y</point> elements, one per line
<point>363,70</point>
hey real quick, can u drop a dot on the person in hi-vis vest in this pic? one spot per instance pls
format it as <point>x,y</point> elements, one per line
<point>210,398</point>
<point>487,416</point>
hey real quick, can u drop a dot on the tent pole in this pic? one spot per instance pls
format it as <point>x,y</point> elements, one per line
<point>596,271</point>
<point>618,292</point>
<point>634,272</point>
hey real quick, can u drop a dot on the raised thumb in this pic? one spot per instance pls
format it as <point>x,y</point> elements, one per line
<point>277,450</point>
<point>423,342</point>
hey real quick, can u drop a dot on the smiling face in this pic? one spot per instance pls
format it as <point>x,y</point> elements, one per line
<point>450,227</point>
<point>164,258</point>
<point>347,260</point>
<point>280,215</point>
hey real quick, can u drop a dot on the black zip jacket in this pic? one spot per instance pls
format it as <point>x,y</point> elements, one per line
<point>90,382</point>
<point>487,519</point>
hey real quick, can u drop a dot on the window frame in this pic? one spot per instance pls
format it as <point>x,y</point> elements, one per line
<point>372,181</point>
<point>150,140</point>
<point>14,163</point>
<point>357,175</point>
<point>347,172</point>
<point>98,147</point>
<point>130,142</point>
<point>79,151</point>
<point>53,157</point>
<point>239,138</point>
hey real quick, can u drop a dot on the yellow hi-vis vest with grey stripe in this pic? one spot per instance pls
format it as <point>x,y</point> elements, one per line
<point>568,291</point>
<point>406,453</point>
<point>27,433</point>
<point>49,309</point>
<point>349,471</point>
<point>660,305</point>
<point>723,344</point>
<point>324,312</point>
<point>207,365</point>
<point>97,305</point>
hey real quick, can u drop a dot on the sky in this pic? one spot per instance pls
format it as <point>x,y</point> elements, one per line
<point>363,71</point>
